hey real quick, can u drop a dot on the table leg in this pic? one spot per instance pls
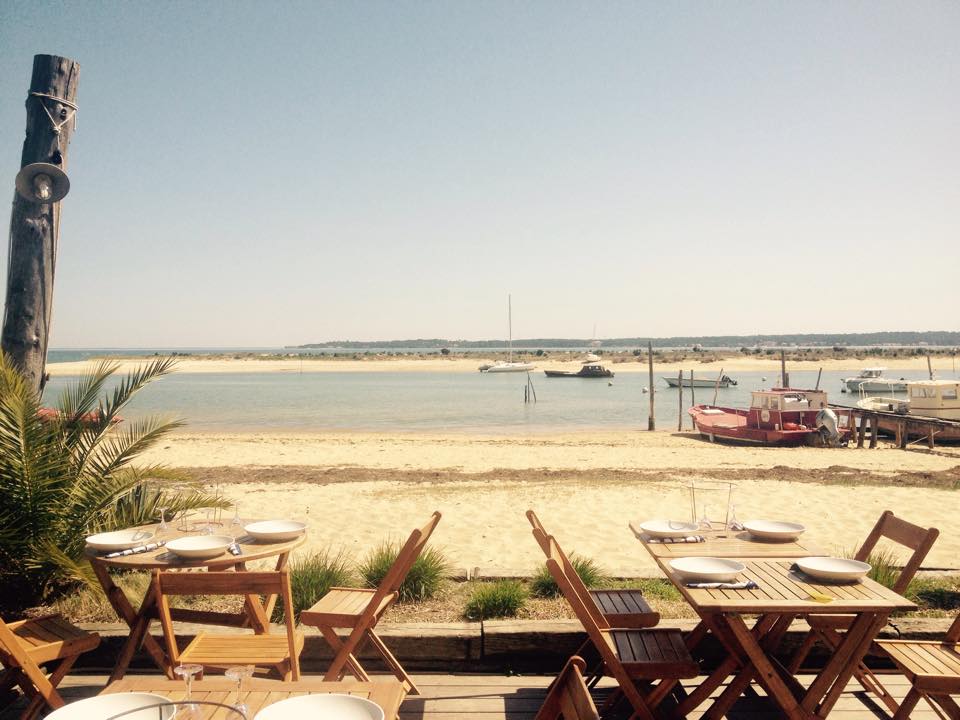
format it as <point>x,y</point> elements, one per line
<point>133,618</point>
<point>765,672</point>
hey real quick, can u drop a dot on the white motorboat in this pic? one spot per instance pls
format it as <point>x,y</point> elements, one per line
<point>508,366</point>
<point>872,380</point>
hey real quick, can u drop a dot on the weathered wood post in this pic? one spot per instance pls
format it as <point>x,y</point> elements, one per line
<point>680,400</point>
<point>716,387</point>
<point>651,423</point>
<point>35,226</point>
<point>693,394</point>
<point>784,378</point>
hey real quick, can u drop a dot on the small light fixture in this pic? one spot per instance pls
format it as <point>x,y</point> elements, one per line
<point>42,183</point>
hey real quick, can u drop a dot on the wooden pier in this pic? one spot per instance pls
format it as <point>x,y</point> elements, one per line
<point>866,425</point>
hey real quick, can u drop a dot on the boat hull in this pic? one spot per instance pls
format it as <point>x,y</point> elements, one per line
<point>580,374</point>
<point>738,426</point>
<point>873,386</point>
<point>697,383</point>
<point>509,368</point>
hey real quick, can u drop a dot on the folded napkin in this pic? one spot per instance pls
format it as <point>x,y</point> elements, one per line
<point>689,539</point>
<point>137,550</point>
<point>736,526</point>
<point>745,585</point>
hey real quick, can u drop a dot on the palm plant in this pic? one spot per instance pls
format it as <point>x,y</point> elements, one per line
<point>69,473</point>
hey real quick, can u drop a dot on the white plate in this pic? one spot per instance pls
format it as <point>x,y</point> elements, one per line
<point>322,707</point>
<point>200,547</point>
<point>774,529</point>
<point>275,530</point>
<point>104,706</point>
<point>706,569</point>
<point>668,528</point>
<point>119,540</point>
<point>831,568</point>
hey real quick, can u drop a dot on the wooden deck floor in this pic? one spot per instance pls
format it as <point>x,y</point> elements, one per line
<point>496,697</point>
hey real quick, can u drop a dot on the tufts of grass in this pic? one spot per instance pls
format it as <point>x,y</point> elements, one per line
<point>884,567</point>
<point>424,580</point>
<point>544,586</point>
<point>504,598</point>
<point>312,577</point>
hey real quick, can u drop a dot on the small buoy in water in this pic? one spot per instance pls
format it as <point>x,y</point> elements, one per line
<point>646,390</point>
<point>763,379</point>
<point>843,389</point>
<point>609,383</point>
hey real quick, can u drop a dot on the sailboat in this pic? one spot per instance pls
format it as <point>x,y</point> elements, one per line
<point>509,365</point>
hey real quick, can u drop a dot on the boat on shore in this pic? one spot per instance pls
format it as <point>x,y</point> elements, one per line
<point>591,370</point>
<point>724,381</point>
<point>780,416</point>
<point>871,380</point>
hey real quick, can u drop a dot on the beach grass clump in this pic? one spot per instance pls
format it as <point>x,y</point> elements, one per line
<point>500,599</point>
<point>544,586</point>
<point>312,577</point>
<point>425,579</point>
<point>884,567</point>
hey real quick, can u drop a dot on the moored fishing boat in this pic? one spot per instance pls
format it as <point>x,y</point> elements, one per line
<point>926,400</point>
<point>724,381</point>
<point>781,416</point>
<point>872,380</point>
<point>591,370</point>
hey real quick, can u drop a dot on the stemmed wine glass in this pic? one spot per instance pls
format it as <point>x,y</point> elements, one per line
<point>704,522</point>
<point>239,673</point>
<point>187,672</point>
<point>236,514</point>
<point>162,528</point>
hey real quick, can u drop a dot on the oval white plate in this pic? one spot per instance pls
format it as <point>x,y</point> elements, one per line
<point>668,528</point>
<point>322,707</point>
<point>275,530</point>
<point>200,547</point>
<point>104,706</point>
<point>120,539</point>
<point>774,529</point>
<point>706,569</point>
<point>831,568</point>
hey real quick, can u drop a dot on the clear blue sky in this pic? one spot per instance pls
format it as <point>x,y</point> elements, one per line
<point>270,173</point>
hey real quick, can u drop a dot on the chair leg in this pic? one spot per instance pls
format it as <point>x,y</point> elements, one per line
<point>343,660</point>
<point>392,662</point>
<point>38,701</point>
<point>948,704</point>
<point>871,683</point>
<point>801,653</point>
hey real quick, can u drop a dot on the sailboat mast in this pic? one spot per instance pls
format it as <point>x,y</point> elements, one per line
<point>510,326</point>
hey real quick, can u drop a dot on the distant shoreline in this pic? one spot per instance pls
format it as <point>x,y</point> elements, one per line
<point>624,362</point>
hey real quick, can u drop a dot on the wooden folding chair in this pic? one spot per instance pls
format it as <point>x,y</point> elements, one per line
<point>829,628</point>
<point>281,652</point>
<point>634,658</point>
<point>569,698</point>
<point>28,644</point>
<point>620,608</point>
<point>360,609</point>
<point>933,669</point>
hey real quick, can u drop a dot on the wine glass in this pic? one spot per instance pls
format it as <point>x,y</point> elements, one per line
<point>187,672</point>
<point>208,529</point>
<point>238,673</point>
<point>163,527</point>
<point>734,523</point>
<point>704,522</point>
<point>236,514</point>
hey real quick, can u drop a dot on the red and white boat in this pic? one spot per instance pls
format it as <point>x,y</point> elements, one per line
<point>780,416</point>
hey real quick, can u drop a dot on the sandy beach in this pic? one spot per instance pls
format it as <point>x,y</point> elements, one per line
<point>736,363</point>
<point>356,489</point>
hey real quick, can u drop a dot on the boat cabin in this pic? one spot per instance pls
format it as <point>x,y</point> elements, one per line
<point>935,398</point>
<point>785,408</point>
<point>872,372</point>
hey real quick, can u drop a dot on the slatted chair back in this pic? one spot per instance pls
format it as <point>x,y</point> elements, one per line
<point>914,537</point>
<point>551,548</point>
<point>277,582</point>
<point>569,698</point>
<point>953,634</point>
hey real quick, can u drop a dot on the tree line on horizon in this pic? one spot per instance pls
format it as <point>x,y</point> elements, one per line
<point>910,338</point>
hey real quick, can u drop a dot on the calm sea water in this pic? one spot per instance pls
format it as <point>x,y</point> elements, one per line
<point>426,401</point>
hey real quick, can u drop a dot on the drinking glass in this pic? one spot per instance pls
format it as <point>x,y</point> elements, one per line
<point>733,523</point>
<point>236,514</point>
<point>238,673</point>
<point>163,527</point>
<point>208,529</point>
<point>187,672</point>
<point>704,522</point>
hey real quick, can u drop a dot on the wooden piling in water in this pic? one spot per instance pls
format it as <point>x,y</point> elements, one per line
<point>716,387</point>
<point>651,422</point>
<point>680,400</point>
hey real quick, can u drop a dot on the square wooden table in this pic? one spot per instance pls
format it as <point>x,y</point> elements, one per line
<point>257,693</point>
<point>783,594</point>
<point>729,543</point>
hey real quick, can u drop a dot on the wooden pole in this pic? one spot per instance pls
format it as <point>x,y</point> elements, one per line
<point>680,400</point>
<point>651,423</point>
<point>35,227</point>
<point>693,395</point>
<point>874,422</point>
<point>819,374</point>
<point>929,367</point>
<point>716,387</point>
<point>784,378</point>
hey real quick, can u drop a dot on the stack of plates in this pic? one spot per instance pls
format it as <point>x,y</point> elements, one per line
<point>668,528</point>
<point>119,540</point>
<point>275,530</point>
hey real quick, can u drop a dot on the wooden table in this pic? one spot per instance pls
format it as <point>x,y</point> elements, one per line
<point>783,595</point>
<point>730,543</point>
<point>256,613</point>
<point>257,693</point>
